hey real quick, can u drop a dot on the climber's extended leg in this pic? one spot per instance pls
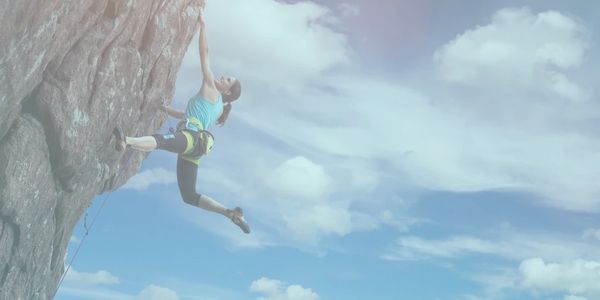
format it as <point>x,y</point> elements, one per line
<point>186,178</point>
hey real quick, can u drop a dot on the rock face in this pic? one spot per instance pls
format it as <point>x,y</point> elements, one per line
<point>70,70</point>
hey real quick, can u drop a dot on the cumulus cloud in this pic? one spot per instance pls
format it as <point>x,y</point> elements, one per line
<point>300,177</point>
<point>518,48</point>
<point>266,286</point>
<point>146,178</point>
<point>301,189</point>
<point>272,289</point>
<point>516,71</point>
<point>312,222</point>
<point>578,277</point>
<point>101,277</point>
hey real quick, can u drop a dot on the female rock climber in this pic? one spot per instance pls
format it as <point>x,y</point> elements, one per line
<point>210,106</point>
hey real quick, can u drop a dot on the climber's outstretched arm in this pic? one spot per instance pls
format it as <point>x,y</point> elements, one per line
<point>209,78</point>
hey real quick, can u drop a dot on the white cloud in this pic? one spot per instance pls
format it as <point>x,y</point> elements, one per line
<point>566,88</point>
<point>276,290</point>
<point>518,49</point>
<point>146,178</point>
<point>415,248</point>
<point>302,178</point>
<point>578,277</point>
<point>154,292</point>
<point>266,286</point>
<point>509,245</point>
<point>100,277</point>
<point>313,222</point>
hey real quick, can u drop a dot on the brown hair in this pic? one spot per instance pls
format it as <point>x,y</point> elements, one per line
<point>224,114</point>
<point>234,93</point>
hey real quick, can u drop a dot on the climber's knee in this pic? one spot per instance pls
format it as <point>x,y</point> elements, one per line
<point>175,143</point>
<point>190,198</point>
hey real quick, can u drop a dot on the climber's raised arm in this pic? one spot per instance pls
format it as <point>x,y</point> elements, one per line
<point>209,78</point>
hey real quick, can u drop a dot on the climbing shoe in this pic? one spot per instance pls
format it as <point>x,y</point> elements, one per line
<point>120,144</point>
<point>237,217</point>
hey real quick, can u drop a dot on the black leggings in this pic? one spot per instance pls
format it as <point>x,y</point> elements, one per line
<point>186,170</point>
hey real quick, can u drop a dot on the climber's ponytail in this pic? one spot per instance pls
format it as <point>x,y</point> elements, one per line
<point>225,114</point>
<point>234,93</point>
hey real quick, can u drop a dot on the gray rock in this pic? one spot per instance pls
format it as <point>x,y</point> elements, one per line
<point>69,72</point>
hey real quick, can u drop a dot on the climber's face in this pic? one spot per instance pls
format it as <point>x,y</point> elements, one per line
<point>224,83</point>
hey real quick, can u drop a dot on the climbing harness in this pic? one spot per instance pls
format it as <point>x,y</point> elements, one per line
<point>203,139</point>
<point>199,140</point>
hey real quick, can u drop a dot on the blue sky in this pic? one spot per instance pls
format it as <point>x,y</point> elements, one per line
<point>404,150</point>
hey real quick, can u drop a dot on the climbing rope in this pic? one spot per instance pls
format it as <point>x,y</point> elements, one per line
<point>87,231</point>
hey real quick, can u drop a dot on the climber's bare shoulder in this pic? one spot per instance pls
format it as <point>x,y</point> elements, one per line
<point>209,92</point>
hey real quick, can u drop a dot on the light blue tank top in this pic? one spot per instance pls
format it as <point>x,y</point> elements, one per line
<point>204,111</point>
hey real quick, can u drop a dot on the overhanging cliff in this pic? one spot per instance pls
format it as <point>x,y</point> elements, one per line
<point>69,72</point>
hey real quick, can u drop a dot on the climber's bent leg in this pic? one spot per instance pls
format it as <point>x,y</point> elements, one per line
<point>172,142</point>
<point>186,178</point>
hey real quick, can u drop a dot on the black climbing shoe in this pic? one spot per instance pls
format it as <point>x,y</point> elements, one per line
<point>237,217</point>
<point>120,145</point>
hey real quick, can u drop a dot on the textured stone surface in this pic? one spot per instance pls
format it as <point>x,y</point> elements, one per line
<point>69,72</point>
